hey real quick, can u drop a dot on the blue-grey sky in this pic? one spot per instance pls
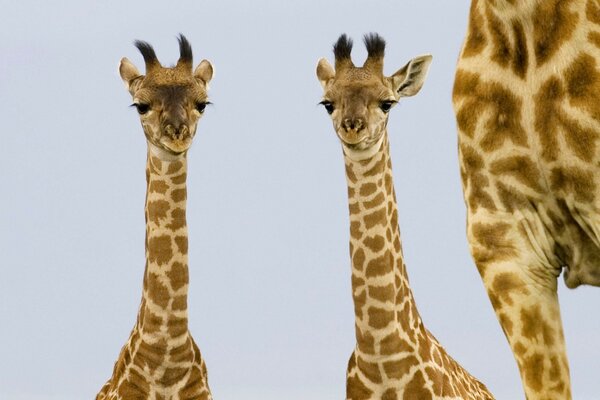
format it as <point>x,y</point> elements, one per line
<point>270,303</point>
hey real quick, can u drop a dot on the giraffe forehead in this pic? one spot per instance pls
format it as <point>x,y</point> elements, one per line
<point>359,84</point>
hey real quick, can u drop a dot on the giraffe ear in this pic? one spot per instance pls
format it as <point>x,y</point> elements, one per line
<point>325,72</point>
<point>408,80</point>
<point>129,73</point>
<point>204,71</point>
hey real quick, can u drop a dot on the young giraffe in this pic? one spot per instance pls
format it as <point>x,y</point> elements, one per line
<point>395,357</point>
<point>161,360</point>
<point>527,101</point>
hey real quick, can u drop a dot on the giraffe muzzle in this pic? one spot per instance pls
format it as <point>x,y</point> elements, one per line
<point>176,140</point>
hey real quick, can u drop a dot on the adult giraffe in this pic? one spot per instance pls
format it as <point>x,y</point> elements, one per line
<point>527,102</point>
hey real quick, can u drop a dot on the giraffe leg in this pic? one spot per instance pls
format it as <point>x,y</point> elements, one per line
<point>521,284</point>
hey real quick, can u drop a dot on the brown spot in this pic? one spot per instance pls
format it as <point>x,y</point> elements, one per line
<point>150,322</point>
<point>389,394</point>
<point>574,181</point>
<point>594,38</point>
<point>521,168</point>
<point>355,230</point>
<point>177,326</point>
<point>501,53</point>
<point>553,25</point>
<point>437,380</point>
<point>134,391</point>
<point>534,326</point>
<point>179,179</point>
<point>178,195</point>
<point>157,211</point>
<point>397,369</point>
<point>366,342</point>
<point>182,244</point>
<point>358,259</point>
<point>394,344</point>
<point>474,180</point>
<point>476,39</point>
<point>505,322</point>
<point>177,219</point>
<point>159,249</point>
<point>178,275</point>
<point>380,265</point>
<point>192,389</point>
<point>379,318</point>
<point>179,303</point>
<point>356,390</point>
<point>375,218</point>
<point>377,201</point>
<point>374,243</point>
<point>152,355</point>
<point>506,285</point>
<point>415,389</point>
<point>370,370</point>
<point>532,369</point>
<point>501,106</point>
<point>592,11</point>
<point>157,292</point>
<point>172,376</point>
<point>155,164</point>
<point>377,168</point>
<point>360,298</point>
<point>174,167</point>
<point>368,189</point>
<point>520,59</point>
<point>354,208</point>
<point>158,186</point>
<point>493,241</point>
<point>350,173</point>
<point>511,198</point>
<point>382,293</point>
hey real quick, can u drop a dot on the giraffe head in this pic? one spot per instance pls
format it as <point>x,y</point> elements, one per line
<point>360,98</point>
<point>170,101</point>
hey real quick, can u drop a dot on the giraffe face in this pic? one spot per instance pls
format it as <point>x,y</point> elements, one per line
<point>359,103</point>
<point>360,98</point>
<point>169,101</point>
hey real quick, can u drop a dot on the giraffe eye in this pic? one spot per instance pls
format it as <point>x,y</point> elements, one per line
<point>201,105</point>
<point>386,105</point>
<point>328,106</point>
<point>142,108</point>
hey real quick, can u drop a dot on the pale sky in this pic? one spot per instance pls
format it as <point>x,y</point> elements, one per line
<point>270,303</point>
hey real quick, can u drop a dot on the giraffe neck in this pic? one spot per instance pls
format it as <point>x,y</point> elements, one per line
<point>163,314</point>
<point>383,302</point>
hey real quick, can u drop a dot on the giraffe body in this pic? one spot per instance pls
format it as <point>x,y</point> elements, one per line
<point>395,356</point>
<point>161,361</point>
<point>527,96</point>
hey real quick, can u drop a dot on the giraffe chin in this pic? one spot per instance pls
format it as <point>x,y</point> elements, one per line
<point>176,146</point>
<point>362,150</point>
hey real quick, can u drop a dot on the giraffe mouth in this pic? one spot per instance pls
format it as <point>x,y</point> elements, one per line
<point>176,145</point>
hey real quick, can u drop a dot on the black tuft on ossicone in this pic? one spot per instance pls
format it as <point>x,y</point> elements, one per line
<point>185,49</point>
<point>342,48</point>
<point>147,52</point>
<point>375,45</point>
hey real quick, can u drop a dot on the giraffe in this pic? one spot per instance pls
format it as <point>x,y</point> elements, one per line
<point>395,357</point>
<point>161,360</point>
<point>527,103</point>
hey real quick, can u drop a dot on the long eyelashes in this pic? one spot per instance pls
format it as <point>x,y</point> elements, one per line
<point>387,105</point>
<point>141,108</point>
<point>328,106</point>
